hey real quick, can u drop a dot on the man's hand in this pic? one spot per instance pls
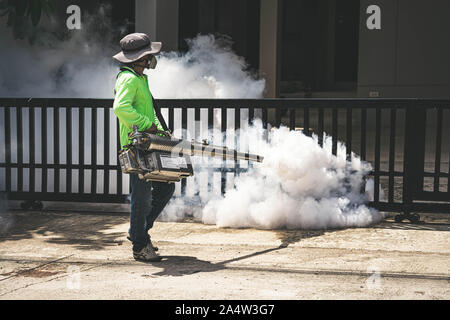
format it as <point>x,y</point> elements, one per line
<point>152,129</point>
<point>168,134</point>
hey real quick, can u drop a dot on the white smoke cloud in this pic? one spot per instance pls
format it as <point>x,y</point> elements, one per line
<point>299,185</point>
<point>82,67</point>
<point>77,67</point>
<point>210,69</point>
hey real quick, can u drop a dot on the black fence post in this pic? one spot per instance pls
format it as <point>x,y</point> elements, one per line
<point>7,149</point>
<point>413,158</point>
<point>223,128</point>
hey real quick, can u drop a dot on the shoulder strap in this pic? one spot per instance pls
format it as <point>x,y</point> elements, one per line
<point>159,115</point>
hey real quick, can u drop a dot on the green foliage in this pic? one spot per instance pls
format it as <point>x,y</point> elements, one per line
<point>24,16</point>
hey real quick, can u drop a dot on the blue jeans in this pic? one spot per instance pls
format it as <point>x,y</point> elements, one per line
<point>148,199</point>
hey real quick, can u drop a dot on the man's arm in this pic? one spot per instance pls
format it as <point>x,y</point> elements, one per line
<point>123,108</point>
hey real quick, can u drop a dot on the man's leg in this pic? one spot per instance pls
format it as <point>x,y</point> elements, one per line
<point>141,204</point>
<point>161,194</point>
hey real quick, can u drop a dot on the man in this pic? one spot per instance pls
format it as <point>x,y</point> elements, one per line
<point>134,106</point>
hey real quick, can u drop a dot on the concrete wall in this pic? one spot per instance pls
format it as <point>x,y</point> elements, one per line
<point>410,55</point>
<point>159,19</point>
<point>269,46</point>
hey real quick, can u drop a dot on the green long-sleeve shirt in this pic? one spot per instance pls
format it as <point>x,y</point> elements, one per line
<point>133,104</point>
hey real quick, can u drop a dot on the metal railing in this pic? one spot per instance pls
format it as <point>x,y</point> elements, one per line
<point>66,149</point>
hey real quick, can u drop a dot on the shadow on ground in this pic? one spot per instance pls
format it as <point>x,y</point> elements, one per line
<point>288,237</point>
<point>186,265</point>
<point>428,221</point>
<point>63,228</point>
<point>176,266</point>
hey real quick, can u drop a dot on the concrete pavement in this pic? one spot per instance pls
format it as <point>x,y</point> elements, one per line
<point>85,255</point>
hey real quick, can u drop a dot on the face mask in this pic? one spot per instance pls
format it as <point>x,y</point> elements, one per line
<point>151,64</point>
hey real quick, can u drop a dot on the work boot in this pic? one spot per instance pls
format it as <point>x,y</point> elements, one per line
<point>151,244</point>
<point>147,254</point>
<point>154,247</point>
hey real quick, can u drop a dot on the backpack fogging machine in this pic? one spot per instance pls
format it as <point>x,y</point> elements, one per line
<point>164,158</point>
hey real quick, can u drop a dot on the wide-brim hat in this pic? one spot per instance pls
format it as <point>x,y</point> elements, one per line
<point>136,45</point>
